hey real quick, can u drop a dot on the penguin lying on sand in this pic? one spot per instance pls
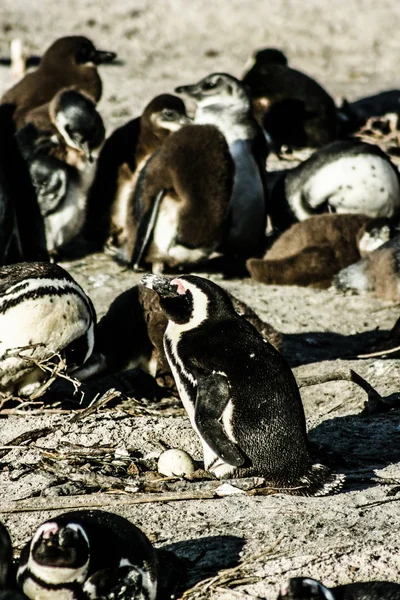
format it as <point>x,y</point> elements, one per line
<point>305,588</point>
<point>239,393</point>
<point>344,177</point>
<point>42,311</point>
<point>311,252</point>
<point>293,109</point>
<point>92,554</point>
<point>137,315</point>
<point>121,159</point>
<point>379,272</point>
<point>69,61</point>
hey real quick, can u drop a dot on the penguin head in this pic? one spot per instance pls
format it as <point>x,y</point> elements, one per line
<point>217,88</point>
<point>74,50</point>
<point>305,588</point>
<point>190,300</point>
<point>59,553</point>
<point>50,180</point>
<point>78,121</point>
<point>165,114</point>
<point>373,234</point>
<point>270,56</point>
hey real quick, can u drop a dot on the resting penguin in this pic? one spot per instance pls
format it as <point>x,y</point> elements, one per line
<point>121,159</point>
<point>239,393</point>
<point>7,576</point>
<point>59,146</point>
<point>42,311</point>
<point>88,554</point>
<point>69,61</point>
<point>311,252</point>
<point>379,272</point>
<point>293,109</point>
<point>305,588</point>
<point>223,101</point>
<point>344,177</point>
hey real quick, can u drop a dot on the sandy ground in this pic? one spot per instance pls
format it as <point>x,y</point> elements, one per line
<point>352,47</point>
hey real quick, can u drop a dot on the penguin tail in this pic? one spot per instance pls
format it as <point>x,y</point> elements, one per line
<point>320,481</point>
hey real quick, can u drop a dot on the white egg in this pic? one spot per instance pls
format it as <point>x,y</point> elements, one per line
<point>176,463</point>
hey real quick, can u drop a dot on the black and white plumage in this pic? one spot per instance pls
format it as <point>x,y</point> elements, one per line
<point>344,177</point>
<point>223,101</point>
<point>88,554</point>
<point>42,311</point>
<point>239,393</point>
<point>305,588</point>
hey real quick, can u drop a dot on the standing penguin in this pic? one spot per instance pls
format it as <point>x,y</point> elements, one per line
<point>223,101</point>
<point>88,553</point>
<point>241,397</point>
<point>305,588</point>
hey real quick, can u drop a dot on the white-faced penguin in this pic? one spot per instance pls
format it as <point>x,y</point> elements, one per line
<point>223,101</point>
<point>121,159</point>
<point>305,588</point>
<point>43,311</point>
<point>69,61</point>
<point>239,393</point>
<point>311,252</point>
<point>78,555</point>
<point>378,272</point>
<point>344,177</point>
<point>21,225</point>
<point>292,108</point>
<point>181,205</point>
<point>137,315</point>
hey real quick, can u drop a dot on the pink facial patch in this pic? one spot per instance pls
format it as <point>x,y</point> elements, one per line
<point>48,529</point>
<point>182,289</point>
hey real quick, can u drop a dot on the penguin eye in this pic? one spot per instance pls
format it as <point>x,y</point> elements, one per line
<point>209,85</point>
<point>169,114</point>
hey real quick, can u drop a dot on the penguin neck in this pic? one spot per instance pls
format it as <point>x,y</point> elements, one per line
<point>234,120</point>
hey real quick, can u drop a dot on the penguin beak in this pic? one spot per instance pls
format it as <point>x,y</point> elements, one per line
<point>188,90</point>
<point>87,152</point>
<point>161,285</point>
<point>102,56</point>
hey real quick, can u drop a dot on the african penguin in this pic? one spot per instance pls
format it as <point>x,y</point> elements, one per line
<point>6,558</point>
<point>305,588</point>
<point>293,109</point>
<point>344,177</point>
<point>239,393</point>
<point>378,272</point>
<point>43,311</point>
<point>69,61</point>
<point>136,314</point>
<point>223,101</point>
<point>88,554</point>
<point>311,252</point>
<point>121,160</point>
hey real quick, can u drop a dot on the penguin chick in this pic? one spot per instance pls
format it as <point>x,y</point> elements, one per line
<point>305,588</point>
<point>72,116</point>
<point>182,201</point>
<point>43,311</point>
<point>378,272</point>
<point>86,553</point>
<point>292,108</point>
<point>223,101</point>
<point>311,252</point>
<point>239,393</point>
<point>121,159</point>
<point>69,61</point>
<point>344,177</point>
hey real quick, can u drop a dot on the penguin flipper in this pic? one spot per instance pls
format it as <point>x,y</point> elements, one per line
<point>213,395</point>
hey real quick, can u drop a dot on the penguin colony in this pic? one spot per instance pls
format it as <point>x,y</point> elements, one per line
<point>165,193</point>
